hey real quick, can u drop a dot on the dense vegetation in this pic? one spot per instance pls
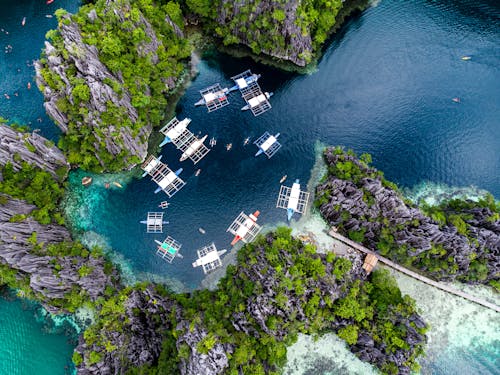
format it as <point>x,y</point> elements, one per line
<point>461,214</point>
<point>144,54</point>
<point>277,28</point>
<point>279,288</point>
<point>390,223</point>
<point>34,186</point>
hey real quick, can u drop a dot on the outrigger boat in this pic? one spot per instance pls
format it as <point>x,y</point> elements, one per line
<point>154,222</point>
<point>245,142</point>
<point>257,100</point>
<point>268,144</point>
<point>244,227</point>
<point>167,180</point>
<point>193,147</point>
<point>244,82</point>
<point>209,258</point>
<point>213,97</point>
<point>213,142</point>
<point>175,131</point>
<point>292,199</point>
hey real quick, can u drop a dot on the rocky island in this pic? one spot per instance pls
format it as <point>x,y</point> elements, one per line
<point>456,240</point>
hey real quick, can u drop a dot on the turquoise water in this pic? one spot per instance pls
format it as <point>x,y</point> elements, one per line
<point>384,85</point>
<point>30,342</point>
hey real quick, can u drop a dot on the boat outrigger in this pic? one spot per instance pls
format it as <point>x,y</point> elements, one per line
<point>213,97</point>
<point>244,227</point>
<point>244,81</point>
<point>256,100</point>
<point>209,258</point>
<point>292,199</point>
<point>213,142</point>
<point>154,222</point>
<point>184,140</point>
<point>168,249</point>
<point>268,144</point>
<point>167,180</point>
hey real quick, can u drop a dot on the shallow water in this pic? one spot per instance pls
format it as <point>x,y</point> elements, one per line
<point>384,85</point>
<point>31,342</point>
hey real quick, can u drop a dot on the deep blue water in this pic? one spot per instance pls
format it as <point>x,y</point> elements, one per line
<point>384,85</point>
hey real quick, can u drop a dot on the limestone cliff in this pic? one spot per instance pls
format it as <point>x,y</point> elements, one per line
<point>105,75</point>
<point>42,255</point>
<point>287,31</point>
<point>357,199</point>
<point>32,148</point>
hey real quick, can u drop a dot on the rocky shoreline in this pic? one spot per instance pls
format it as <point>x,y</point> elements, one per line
<point>25,244</point>
<point>363,205</point>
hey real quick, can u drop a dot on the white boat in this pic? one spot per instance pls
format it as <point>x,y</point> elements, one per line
<point>257,101</point>
<point>247,139</point>
<point>197,173</point>
<point>201,230</point>
<point>229,146</point>
<point>283,179</point>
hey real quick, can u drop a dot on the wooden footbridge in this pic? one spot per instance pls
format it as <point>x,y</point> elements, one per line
<point>333,233</point>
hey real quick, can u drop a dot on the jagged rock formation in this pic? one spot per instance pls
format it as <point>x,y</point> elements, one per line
<point>32,148</point>
<point>364,206</point>
<point>145,321</point>
<point>142,327</point>
<point>105,75</point>
<point>85,58</point>
<point>50,277</point>
<point>291,33</point>
<point>215,361</point>
<point>23,239</point>
<point>291,43</point>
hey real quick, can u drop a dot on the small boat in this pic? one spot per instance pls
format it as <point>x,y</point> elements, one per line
<point>213,142</point>
<point>229,146</point>
<point>466,58</point>
<point>23,22</point>
<point>49,2</point>
<point>48,15</point>
<point>29,85</point>
<point>201,230</point>
<point>247,139</point>
<point>456,100</point>
<point>106,185</point>
<point>283,179</point>
<point>164,204</point>
<point>86,181</point>
<point>117,184</point>
<point>197,173</point>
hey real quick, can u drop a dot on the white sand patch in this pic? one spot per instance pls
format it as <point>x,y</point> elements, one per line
<point>327,355</point>
<point>457,325</point>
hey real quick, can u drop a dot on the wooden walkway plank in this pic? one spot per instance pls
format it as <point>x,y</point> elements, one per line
<point>333,233</point>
